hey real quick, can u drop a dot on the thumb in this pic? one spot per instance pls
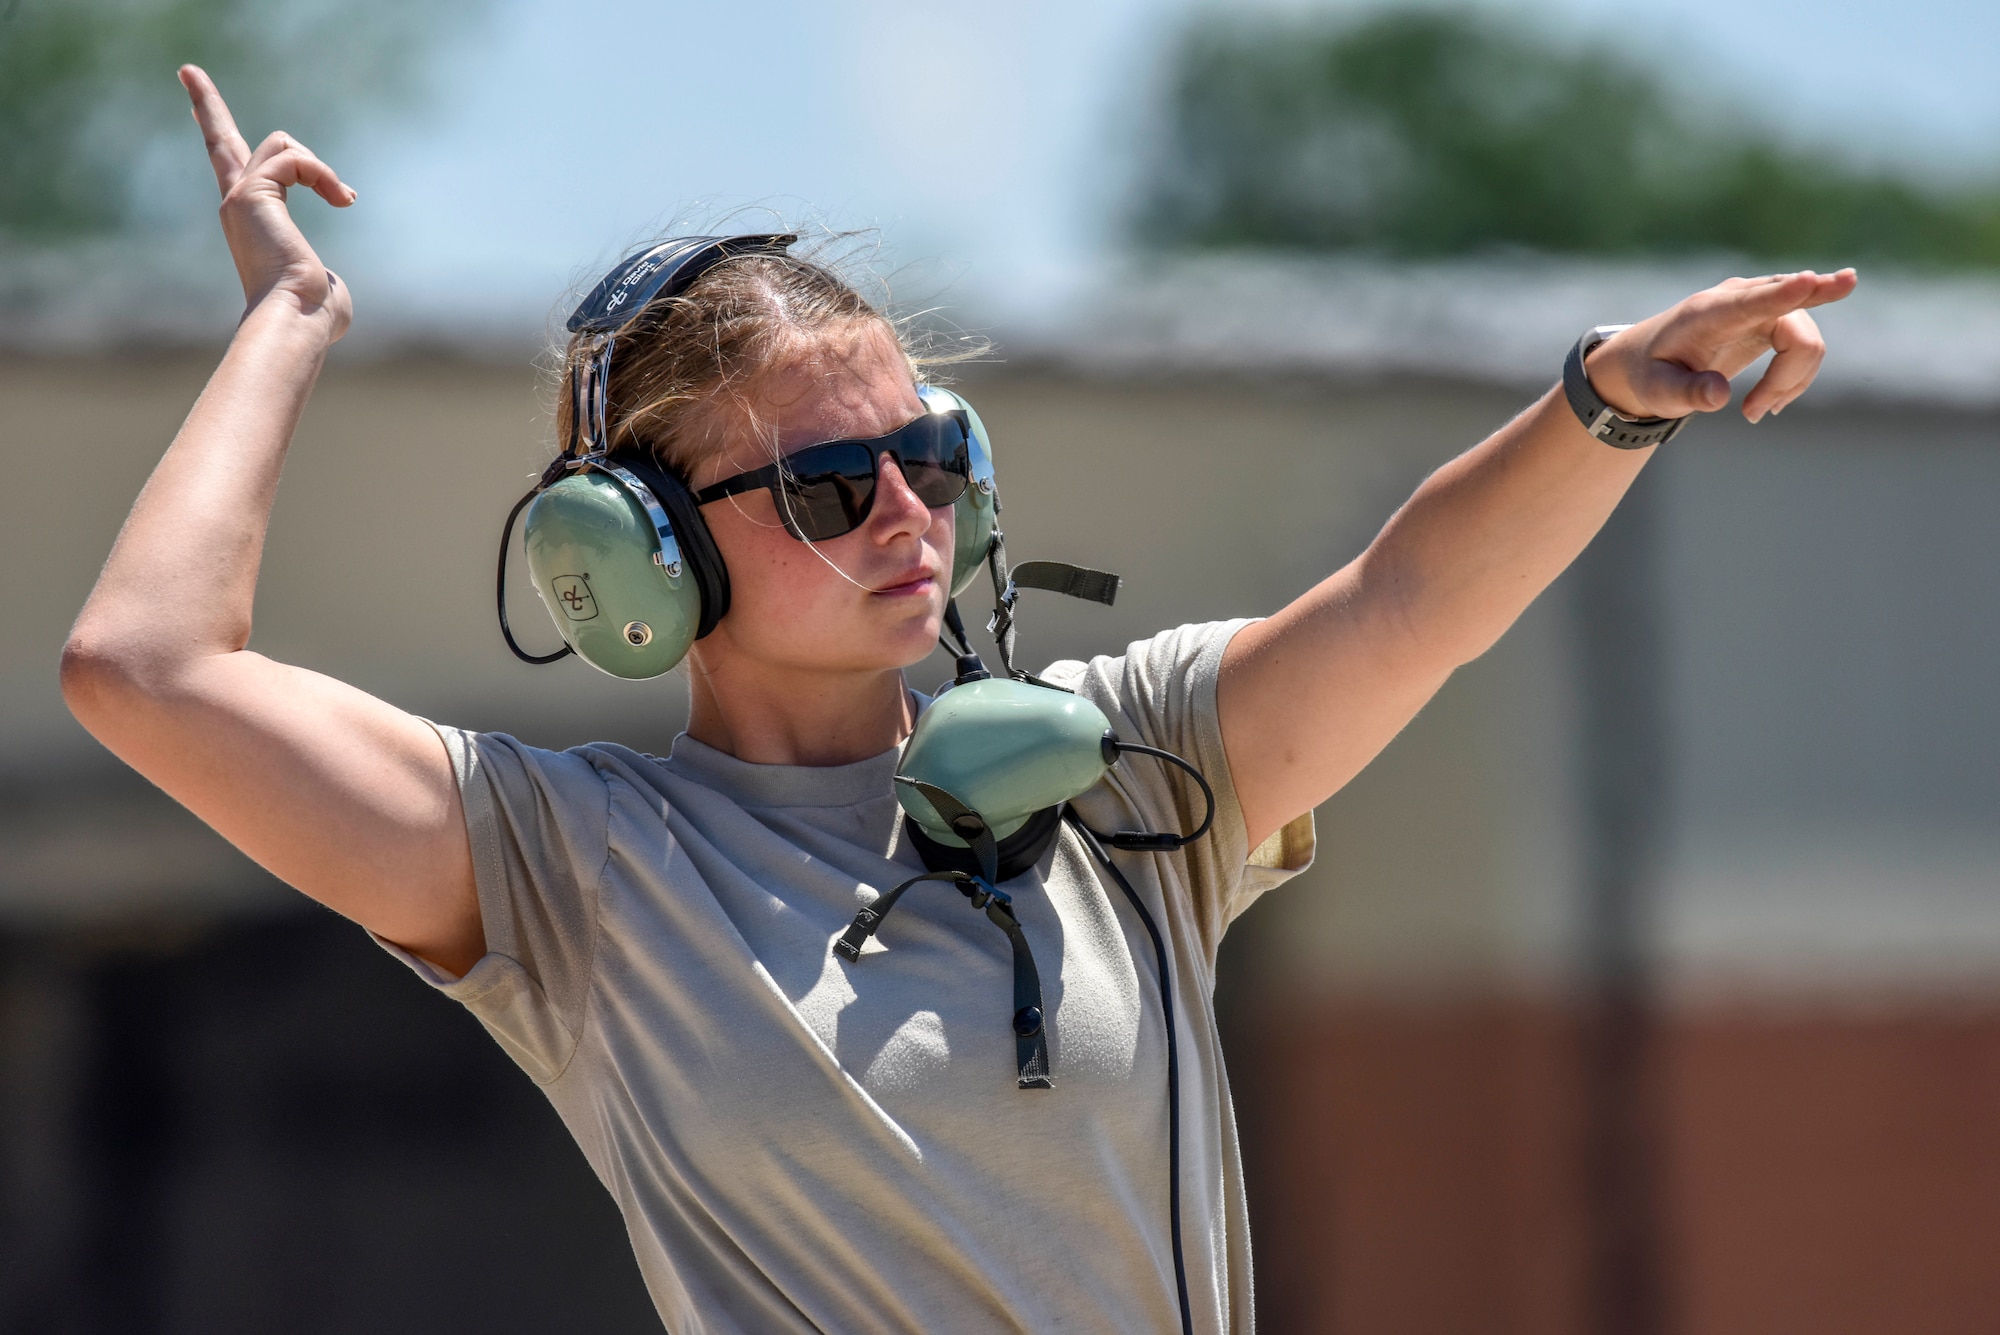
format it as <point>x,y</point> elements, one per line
<point>1672,390</point>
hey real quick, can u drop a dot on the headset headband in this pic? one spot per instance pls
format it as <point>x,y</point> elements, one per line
<point>654,274</point>
<point>665,270</point>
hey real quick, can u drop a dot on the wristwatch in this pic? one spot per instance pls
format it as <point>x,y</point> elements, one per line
<point>1599,418</point>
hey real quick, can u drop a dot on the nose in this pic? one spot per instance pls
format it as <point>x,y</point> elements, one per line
<point>897,509</point>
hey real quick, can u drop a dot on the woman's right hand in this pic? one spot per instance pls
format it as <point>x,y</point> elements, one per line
<point>273,259</point>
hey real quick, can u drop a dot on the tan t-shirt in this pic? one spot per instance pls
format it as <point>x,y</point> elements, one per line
<point>802,1143</point>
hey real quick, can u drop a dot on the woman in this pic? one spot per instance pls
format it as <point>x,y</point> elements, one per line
<point>799,1141</point>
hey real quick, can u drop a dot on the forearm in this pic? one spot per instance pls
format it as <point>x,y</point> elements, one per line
<point>1485,534</point>
<point>1312,694</point>
<point>181,579</point>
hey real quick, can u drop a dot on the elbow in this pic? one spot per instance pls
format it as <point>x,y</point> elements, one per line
<point>103,680</point>
<point>93,676</point>
<point>118,677</point>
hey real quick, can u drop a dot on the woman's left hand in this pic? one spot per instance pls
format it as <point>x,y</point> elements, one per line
<point>1681,360</point>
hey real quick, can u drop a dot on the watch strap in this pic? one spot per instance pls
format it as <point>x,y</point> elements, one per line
<point>1599,418</point>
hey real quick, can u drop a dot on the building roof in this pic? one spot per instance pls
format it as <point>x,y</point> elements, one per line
<point>1900,337</point>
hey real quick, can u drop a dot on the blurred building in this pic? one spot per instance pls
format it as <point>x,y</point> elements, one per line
<point>1650,982</point>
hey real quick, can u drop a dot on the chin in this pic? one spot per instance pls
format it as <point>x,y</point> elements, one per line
<point>917,645</point>
<point>912,641</point>
<point>857,646</point>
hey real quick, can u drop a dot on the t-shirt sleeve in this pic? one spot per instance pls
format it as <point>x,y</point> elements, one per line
<point>1162,693</point>
<point>537,821</point>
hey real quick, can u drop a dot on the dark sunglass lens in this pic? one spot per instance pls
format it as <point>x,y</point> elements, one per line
<point>934,458</point>
<point>827,490</point>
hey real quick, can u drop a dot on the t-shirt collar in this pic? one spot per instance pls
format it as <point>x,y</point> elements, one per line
<point>751,785</point>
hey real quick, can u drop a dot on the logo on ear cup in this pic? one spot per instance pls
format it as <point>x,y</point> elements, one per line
<point>573,596</point>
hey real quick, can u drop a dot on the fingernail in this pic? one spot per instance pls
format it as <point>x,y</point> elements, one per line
<point>1775,411</point>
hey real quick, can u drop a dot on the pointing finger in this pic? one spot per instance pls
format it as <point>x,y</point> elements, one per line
<point>228,154</point>
<point>1769,298</point>
<point>1741,313</point>
<point>1832,287</point>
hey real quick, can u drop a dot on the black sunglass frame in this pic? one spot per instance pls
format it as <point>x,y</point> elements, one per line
<point>788,478</point>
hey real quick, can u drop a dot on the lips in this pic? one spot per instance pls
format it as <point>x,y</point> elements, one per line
<point>909,580</point>
<point>919,583</point>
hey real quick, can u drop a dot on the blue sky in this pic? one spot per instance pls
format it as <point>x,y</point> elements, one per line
<point>989,143</point>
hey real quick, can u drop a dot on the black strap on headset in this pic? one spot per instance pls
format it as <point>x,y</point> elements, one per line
<point>1031,1042</point>
<point>966,823</point>
<point>1031,1039</point>
<point>1019,851</point>
<point>1096,586</point>
<point>1001,624</point>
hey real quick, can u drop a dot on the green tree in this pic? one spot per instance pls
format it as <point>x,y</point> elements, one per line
<point>1433,133</point>
<point>87,89</point>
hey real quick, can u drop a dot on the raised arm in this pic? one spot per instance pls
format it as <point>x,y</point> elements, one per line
<point>1311,695</point>
<point>343,796</point>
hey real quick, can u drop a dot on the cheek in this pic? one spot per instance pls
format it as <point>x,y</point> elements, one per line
<point>778,586</point>
<point>770,570</point>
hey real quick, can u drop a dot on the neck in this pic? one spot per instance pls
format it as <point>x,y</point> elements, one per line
<point>785,718</point>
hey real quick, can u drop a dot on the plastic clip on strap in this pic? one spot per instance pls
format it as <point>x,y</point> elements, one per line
<point>1001,624</point>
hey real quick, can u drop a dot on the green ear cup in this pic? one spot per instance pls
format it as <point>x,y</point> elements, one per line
<point>975,511</point>
<point>974,521</point>
<point>1004,748</point>
<point>592,550</point>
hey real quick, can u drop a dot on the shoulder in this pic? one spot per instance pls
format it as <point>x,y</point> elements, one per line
<point>1180,664</point>
<point>499,773</point>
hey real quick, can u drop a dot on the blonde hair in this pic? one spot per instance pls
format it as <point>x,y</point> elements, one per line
<point>680,361</point>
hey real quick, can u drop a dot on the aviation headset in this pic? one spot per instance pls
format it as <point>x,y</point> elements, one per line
<point>629,574</point>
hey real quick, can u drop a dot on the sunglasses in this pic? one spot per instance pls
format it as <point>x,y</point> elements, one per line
<point>823,491</point>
